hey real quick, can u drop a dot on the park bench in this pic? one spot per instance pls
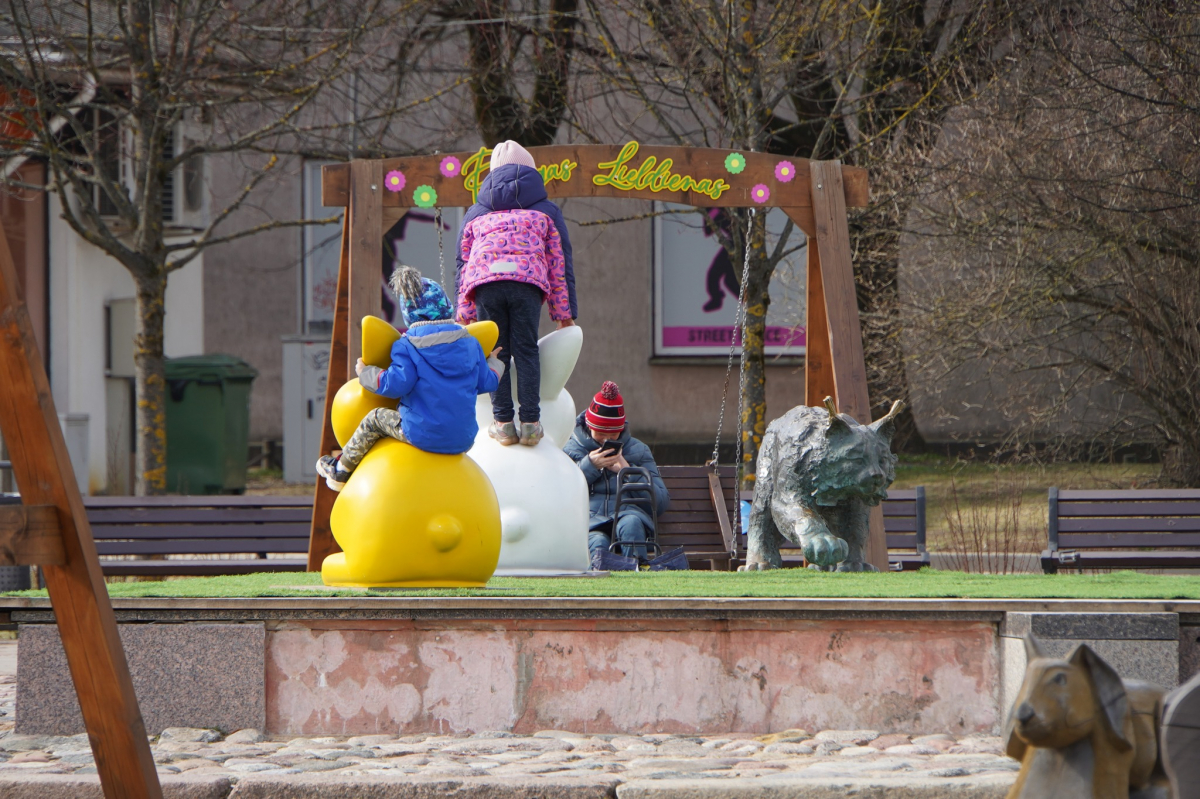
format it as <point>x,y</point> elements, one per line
<point>200,535</point>
<point>1123,529</point>
<point>700,520</point>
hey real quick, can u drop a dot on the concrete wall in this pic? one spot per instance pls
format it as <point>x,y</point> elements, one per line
<point>604,676</point>
<point>252,286</point>
<point>83,279</point>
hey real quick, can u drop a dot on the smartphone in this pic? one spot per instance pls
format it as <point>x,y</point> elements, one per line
<point>612,445</point>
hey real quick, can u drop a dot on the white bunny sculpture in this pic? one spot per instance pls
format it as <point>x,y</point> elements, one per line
<point>543,494</point>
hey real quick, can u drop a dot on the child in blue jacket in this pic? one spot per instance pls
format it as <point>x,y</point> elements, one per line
<point>437,371</point>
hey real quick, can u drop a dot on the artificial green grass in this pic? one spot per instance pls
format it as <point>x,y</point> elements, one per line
<point>783,583</point>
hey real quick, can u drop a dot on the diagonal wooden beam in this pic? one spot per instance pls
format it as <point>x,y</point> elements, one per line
<point>77,593</point>
<point>30,536</point>
<point>321,543</point>
<point>841,310</point>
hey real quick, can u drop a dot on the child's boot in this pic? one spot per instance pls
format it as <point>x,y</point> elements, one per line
<point>531,433</point>
<point>330,468</point>
<point>504,432</point>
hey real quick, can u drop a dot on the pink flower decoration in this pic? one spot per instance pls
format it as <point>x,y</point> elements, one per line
<point>451,167</point>
<point>394,180</point>
<point>785,171</point>
<point>760,193</point>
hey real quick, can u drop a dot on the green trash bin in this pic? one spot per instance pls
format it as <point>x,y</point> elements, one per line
<point>208,424</point>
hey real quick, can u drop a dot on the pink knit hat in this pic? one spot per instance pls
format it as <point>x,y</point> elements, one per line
<point>509,152</point>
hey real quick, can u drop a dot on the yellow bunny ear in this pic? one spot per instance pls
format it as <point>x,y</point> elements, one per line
<point>486,333</point>
<point>377,340</point>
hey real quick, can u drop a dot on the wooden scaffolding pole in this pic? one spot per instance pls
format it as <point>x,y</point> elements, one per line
<point>51,529</point>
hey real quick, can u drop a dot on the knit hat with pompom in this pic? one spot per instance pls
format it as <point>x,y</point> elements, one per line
<point>607,411</point>
<point>421,300</point>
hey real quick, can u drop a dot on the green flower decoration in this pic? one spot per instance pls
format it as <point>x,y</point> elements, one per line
<point>735,163</point>
<point>424,196</point>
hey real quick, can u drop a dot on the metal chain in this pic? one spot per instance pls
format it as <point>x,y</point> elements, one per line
<point>739,319</point>
<point>437,220</point>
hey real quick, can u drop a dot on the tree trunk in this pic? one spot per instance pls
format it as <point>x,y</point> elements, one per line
<point>150,385</point>
<point>753,413</point>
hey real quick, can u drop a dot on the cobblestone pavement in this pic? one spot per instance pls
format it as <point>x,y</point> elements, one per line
<point>612,763</point>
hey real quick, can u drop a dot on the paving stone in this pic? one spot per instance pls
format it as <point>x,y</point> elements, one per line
<point>911,749</point>
<point>378,740</point>
<point>788,749</point>
<point>246,736</point>
<point>848,737</point>
<point>189,735</point>
<point>893,739</point>
<point>85,786</point>
<point>787,736</point>
<point>25,743</point>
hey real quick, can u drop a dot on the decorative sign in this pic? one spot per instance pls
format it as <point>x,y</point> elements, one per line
<point>475,168</point>
<point>696,287</point>
<point>659,178</point>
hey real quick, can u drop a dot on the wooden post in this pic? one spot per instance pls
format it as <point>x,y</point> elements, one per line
<point>321,543</point>
<point>365,216</point>
<point>77,593</point>
<point>841,308</point>
<point>818,369</point>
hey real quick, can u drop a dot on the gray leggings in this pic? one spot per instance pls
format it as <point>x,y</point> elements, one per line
<point>379,423</point>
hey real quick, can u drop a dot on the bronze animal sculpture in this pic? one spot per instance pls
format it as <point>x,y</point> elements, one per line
<point>1181,739</point>
<point>817,473</point>
<point>1081,732</point>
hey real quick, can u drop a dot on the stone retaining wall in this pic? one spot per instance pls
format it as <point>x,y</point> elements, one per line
<point>632,676</point>
<point>360,666</point>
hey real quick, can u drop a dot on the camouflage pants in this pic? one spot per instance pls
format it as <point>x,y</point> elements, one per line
<point>379,423</point>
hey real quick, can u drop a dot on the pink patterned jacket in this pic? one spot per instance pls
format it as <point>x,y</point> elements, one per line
<point>517,245</point>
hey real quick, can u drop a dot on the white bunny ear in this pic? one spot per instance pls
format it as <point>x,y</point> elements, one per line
<point>559,352</point>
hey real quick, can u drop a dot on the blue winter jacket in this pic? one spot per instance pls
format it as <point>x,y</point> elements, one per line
<point>514,186</point>
<point>602,484</point>
<point>437,370</point>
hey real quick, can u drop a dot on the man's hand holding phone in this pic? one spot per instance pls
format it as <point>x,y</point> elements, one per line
<point>609,456</point>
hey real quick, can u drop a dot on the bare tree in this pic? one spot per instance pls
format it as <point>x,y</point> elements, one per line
<point>513,47</point>
<point>833,79</point>
<point>1066,215</point>
<point>123,101</point>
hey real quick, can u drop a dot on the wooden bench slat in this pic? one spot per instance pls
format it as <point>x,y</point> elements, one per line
<point>1159,508</point>
<point>1127,541</point>
<point>198,568</point>
<point>1115,559</point>
<point>1067,494</point>
<point>1131,525</point>
<point>217,501</point>
<point>199,532</point>
<point>221,547</point>
<point>198,516</point>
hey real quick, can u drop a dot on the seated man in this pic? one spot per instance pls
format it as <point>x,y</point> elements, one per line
<point>603,447</point>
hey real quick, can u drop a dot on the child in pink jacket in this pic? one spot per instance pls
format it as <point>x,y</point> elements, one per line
<point>513,256</point>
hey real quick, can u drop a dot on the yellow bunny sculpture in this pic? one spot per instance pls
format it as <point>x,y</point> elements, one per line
<point>409,518</point>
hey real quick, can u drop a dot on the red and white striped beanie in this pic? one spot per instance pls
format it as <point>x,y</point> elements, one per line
<point>607,411</point>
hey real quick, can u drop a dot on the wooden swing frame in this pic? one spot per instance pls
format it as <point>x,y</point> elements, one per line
<point>50,529</point>
<point>814,194</point>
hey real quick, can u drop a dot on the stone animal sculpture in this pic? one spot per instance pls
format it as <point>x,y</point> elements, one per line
<point>1081,732</point>
<point>409,518</point>
<point>543,495</point>
<point>1181,739</point>
<point>817,473</point>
